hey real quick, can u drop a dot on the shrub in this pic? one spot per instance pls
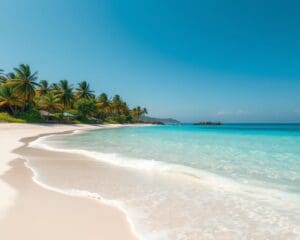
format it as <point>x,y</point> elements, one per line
<point>5,117</point>
<point>85,108</point>
<point>32,116</point>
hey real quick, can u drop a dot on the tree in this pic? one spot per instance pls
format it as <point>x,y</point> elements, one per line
<point>54,87</point>
<point>144,111</point>
<point>84,91</point>
<point>9,99</point>
<point>24,82</point>
<point>65,93</point>
<point>2,77</point>
<point>137,112</point>
<point>103,106</point>
<point>85,107</point>
<point>103,99</point>
<point>51,102</point>
<point>119,110</point>
<point>19,90</point>
<point>116,105</point>
<point>43,88</point>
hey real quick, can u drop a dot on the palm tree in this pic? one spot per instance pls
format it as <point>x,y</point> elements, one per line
<point>144,111</point>
<point>124,110</point>
<point>24,82</point>
<point>9,99</point>
<point>51,102</point>
<point>116,105</point>
<point>137,112</point>
<point>2,77</point>
<point>103,99</point>
<point>83,91</point>
<point>43,88</point>
<point>65,93</point>
<point>54,86</point>
<point>11,75</point>
<point>103,105</point>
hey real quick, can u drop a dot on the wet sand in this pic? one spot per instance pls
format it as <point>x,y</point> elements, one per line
<point>38,213</point>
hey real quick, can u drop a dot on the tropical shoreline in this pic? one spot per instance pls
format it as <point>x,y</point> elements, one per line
<point>113,173</point>
<point>22,195</point>
<point>57,187</point>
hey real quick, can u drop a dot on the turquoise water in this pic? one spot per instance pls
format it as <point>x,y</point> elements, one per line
<point>257,154</point>
<point>235,181</point>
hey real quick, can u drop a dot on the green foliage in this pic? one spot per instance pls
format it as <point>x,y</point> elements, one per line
<point>110,120</point>
<point>22,96</point>
<point>137,112</point>
<point>103,106</point>
<point>84,91</point>
<point>85,108</point>
<point>9,99</point>
<point>50,102</point>
<point>5,117</point>
<point>32,116</point>
<point>72,111</point>
<point>43,88</point>
<point>2,77</point>
<point>24,82</point>
<point>65,93</point>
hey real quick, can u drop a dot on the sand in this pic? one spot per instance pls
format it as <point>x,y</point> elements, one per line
<point>29,211</point>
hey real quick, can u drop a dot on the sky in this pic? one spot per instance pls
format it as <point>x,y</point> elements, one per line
<point>231,61</point>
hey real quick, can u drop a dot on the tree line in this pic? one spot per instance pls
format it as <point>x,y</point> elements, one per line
<point>23,96</point>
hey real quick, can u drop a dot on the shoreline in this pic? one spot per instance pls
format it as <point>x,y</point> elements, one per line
<point>223,182</point>
<point>17,180</point>
<point>94,184</point>
<point>79,172</point>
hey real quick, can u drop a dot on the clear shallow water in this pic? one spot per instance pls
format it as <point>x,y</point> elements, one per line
<point>263,155</point>
<point>192,182</point>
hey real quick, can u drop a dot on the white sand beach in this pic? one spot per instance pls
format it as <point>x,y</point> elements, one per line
<point>29,211</point>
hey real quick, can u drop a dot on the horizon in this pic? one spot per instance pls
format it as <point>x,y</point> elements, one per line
<point>192,61</point>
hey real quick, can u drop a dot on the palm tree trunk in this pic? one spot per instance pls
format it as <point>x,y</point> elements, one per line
<point>12,110</point>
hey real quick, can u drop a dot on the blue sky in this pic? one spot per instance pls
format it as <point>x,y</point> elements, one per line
<point>234,61</point>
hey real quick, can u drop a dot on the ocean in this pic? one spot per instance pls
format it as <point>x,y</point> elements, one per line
<point>233,181</point>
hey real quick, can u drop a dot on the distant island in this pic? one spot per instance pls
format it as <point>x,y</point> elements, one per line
<point>208,123</point>
<point>161,121</point>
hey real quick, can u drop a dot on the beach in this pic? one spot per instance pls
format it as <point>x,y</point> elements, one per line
<point>30,211</point>
<point>149,120</point>
<point>153,183</point>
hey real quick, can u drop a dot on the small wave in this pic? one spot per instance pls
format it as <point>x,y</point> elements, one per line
<point>210,179</point>
<point>85,194</point>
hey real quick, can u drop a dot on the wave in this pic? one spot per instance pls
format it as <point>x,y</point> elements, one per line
<point>85,194</point>
<point>212,180</point>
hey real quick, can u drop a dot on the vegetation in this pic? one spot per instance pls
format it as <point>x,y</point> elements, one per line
<point>5,117</point>
<point>24,99</point>
<point>85,108</point>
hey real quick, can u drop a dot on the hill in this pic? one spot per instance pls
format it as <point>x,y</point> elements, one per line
<point>168,121</point>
